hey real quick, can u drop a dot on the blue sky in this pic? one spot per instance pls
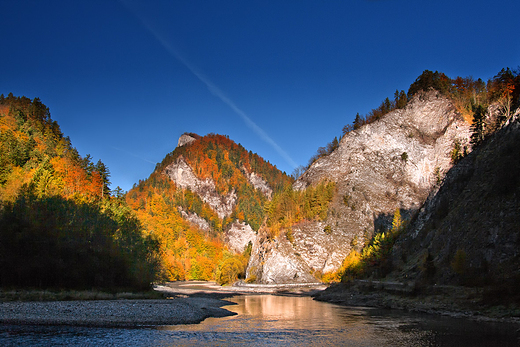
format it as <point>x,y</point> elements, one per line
<point>125,78</point>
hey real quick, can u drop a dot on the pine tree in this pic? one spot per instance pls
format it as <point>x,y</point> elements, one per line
<point>358,121</point>
<point>478,125</point>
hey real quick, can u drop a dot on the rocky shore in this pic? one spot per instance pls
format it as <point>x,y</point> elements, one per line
<point>187,306</point>
<point>453,301</point>
<point>183,303</point>
<point>113,313</point>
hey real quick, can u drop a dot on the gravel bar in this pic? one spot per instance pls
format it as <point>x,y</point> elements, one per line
<point>114,313</point>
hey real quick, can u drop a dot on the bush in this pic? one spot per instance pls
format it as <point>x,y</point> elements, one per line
<point>289,236</point>
<point>459,262</point>
<point>328,230</point>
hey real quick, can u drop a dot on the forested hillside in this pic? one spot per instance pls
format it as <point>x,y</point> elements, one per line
<point>196,250</point>
<point>59,225</point>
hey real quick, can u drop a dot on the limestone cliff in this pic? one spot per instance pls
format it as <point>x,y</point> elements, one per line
<point>258,182</point>
<point>392,163</point>
<point>185,139</point>
<point>239,235</point>
<point>195,219</point>
<point>183,176</point>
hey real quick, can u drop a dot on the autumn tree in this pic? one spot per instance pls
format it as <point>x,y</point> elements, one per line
<point>430,80</point>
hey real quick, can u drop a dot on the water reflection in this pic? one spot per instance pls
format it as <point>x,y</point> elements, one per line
<point>300,321</point>
<point>281,321</point>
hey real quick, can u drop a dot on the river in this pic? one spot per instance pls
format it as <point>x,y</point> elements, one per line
<point>270,320</point>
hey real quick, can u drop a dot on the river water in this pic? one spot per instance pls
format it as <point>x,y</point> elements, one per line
<point>269,320</point>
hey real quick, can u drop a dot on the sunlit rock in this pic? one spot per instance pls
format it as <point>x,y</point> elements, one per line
<point>239,235</point>
<point>392,163</point>
<point>182,174</point>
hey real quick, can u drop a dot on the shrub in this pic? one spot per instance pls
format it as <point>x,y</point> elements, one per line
<point>351,267</point>
<point>289,236</point>
<point>328,230</point>
<point>459,262</point>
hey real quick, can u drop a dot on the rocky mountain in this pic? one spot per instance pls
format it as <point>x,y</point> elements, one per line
<point>393,163</point>
<point>205,203</point>
<point>385,167</point>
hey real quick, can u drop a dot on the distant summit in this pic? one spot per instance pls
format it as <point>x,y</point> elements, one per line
<point>187,138</point>
<point>206,197</point>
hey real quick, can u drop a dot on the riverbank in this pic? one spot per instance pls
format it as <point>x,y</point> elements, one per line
<point>162,306</point>
<point>193,301</point>
<point>113,313</point>
<point>169,304</point>
<point>453,301</point>
<point>213,289</point>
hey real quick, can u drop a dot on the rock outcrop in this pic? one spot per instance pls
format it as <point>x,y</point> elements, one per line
<point>185,139</point>
<point>195,219</point>
<point>258,182</point>
<point>274,261</point>
<point>182,174</point>
<point>392,163</point>
<point>239,235</point>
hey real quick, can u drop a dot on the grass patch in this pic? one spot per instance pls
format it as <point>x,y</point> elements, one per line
<point>69,295</point>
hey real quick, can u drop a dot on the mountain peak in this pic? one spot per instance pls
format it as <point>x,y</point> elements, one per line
<point>186,139</point>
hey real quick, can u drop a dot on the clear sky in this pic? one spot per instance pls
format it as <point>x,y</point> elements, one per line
<point>125,78</point>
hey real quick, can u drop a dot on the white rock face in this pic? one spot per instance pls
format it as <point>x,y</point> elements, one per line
<point>392,163</point>
<point>317,248</point>
<point>181,173</point>
<point>278,263</point>
<point>195,219</point>
<point>425,131</point>
<point>238,236</point>
<point>185,139</point>
<point>258,182</point>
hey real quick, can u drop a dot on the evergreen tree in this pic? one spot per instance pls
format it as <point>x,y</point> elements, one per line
<point>478,125</point>
<point>358,121</point>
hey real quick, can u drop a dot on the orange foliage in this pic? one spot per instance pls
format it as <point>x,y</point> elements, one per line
<point>76,183</point>
<point>188,252</point>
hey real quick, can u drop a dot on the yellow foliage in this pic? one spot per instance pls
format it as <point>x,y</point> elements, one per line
<point>17,178</point>
<point>350,267</point>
